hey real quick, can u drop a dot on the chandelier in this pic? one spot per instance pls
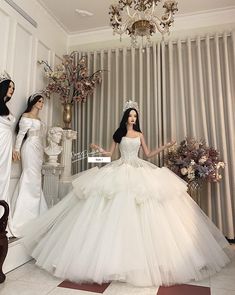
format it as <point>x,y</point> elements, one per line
<point>138,18</point>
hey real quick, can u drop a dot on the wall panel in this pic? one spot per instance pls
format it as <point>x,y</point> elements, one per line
<point>4,33</point>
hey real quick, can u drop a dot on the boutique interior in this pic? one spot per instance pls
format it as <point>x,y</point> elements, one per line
<point>170,64</point>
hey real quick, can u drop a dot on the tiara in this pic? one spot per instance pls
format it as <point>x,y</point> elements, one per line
<point>4,76</point>
<point>31,98</point>
<point>131,104</point>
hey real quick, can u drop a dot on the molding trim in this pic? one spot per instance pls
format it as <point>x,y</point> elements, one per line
<point>22,12</point>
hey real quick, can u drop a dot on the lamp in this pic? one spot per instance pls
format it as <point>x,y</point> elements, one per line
<point>139,18</point>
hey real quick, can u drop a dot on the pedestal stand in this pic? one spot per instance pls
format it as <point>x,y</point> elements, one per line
<point>66,160</point>
<point>51,183</point>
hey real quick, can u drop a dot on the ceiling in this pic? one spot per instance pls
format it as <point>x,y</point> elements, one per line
<point>64,12</point>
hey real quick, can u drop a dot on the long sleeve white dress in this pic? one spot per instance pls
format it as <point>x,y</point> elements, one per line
<point>129,221</point>
<point>28,196</point>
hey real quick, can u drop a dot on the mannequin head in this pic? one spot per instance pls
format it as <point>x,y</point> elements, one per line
<point>7,88</point>
<point>130,116</point>
<point>34,101</point>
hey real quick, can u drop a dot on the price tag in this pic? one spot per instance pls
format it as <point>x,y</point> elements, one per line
<point>99,159</point>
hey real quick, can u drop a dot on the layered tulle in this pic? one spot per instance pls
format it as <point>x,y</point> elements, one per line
<point>129,221</point>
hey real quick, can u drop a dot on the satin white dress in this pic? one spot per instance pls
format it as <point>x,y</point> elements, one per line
<point>28,200</point>
<point>6,126</point>
<point>129,221</point>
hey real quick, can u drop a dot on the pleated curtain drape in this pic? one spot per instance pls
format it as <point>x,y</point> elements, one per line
<point>183,88</point>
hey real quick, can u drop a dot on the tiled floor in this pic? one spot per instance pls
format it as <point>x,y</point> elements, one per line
<point>30,280</point>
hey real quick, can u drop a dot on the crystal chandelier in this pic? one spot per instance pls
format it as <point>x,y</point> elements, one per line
<point>139,18</point>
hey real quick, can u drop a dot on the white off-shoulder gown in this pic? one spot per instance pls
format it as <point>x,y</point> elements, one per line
<point>28,200</point>
<point>129,221</point>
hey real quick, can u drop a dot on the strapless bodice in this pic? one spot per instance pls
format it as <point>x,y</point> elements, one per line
<point>129,147</point>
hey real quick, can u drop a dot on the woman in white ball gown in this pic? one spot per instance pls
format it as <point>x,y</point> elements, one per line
<point>129,221</point>
<point>28,200</point>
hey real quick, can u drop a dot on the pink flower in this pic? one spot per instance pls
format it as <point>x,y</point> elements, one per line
<point>70,79</point>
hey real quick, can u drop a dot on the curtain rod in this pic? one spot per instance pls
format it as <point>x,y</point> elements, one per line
<point>155,43</point>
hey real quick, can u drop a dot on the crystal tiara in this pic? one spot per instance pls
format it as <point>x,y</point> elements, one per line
<point>131,104</point>
<point>4,76</point>
<point>31,98</point>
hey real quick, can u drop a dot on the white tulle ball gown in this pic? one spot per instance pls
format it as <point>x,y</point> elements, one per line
<point>129,221</point>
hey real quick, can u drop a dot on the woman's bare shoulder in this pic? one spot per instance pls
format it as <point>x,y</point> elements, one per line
<point>26,115</point>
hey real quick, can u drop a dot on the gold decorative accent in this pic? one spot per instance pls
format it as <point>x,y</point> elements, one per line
<point>138,18</point>
<point>142,27</point>
<point>67,115</point>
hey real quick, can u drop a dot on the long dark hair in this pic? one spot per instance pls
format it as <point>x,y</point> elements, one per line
<point>122,130</point>
<point>30,104</point>
<point>4,86</point>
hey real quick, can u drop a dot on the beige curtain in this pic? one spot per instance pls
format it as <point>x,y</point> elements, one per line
<point>199,101</point>
<point>184,88</point>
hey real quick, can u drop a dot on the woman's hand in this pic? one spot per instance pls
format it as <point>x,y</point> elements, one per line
<point>16,155</point>
<point>94,146</point>
<point>171,143</point>
<point>102,151</point>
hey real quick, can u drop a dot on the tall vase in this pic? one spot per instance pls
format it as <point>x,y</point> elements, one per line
<point>194,190</point>
<point>67,115</point>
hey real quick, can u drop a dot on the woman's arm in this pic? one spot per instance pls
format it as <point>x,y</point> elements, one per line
<point>104,152</point>
<point>150,154</point>
<point>24,126</point>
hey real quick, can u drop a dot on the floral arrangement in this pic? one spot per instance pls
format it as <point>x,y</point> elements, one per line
<point>70,79</point>
<point>194,160</point>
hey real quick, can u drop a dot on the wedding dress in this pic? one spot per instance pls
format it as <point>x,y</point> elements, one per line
<point>28,201</point>
<point>128,221</point>
<point>6,125</point>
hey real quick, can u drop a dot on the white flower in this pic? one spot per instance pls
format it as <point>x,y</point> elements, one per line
<point>190,169</point>
<point>173,148</point>
<point>220,164</point>
<point>184,171</point>
<point>191,176</point>
<point>202,160</point>
<point>191,173</point>
<point>192,162</point>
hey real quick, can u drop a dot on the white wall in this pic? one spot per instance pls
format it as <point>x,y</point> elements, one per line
<point>22,45</point>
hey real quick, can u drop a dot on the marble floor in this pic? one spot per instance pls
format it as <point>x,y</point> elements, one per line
<point>31,280</point>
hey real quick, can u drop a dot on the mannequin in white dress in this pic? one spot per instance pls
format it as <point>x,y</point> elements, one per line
<point>28,197</point>
<point>129,221</point>
<point>7,88</point>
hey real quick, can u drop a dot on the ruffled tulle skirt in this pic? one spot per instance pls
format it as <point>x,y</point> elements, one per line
<point>131,222</point>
